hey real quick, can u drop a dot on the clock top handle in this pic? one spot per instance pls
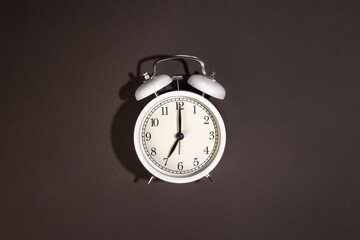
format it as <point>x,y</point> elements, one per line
<point>180,57</point>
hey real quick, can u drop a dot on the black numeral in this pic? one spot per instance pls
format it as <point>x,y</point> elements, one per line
<point>196,162</point>
<point>179,104</point>
<point>166,160</point>
<point>153,151</point>
<point>206,119</point>
<point>154,122</point>
<point>147,136</point>
<point>180,166</point>
<point>164,111</point>
<point>206,150</point>
<point>212,135</point>
<point>194,109</point>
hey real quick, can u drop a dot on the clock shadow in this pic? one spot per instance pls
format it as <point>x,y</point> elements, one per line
<point>122,128</point>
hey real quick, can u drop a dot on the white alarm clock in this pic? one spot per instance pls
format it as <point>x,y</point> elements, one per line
<point>180,136</point>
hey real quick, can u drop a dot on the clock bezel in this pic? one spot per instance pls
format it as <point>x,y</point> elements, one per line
<point>202,172</point>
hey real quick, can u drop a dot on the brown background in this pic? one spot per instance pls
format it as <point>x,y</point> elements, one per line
<point>69,71</point>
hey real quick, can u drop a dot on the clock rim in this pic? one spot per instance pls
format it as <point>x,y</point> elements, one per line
<point>197,175</point>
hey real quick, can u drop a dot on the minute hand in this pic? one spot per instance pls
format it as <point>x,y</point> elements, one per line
<point>179,119</point>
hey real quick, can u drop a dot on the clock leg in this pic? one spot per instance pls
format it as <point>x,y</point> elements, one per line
<point>151,179</point>
<point>210,178</point>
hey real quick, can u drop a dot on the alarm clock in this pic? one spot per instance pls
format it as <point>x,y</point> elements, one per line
<point>179,135</point>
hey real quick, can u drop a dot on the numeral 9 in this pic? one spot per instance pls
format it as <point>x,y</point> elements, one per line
<point>147,136</point>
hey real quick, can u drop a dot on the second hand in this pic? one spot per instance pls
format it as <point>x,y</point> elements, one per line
<point>179,123</point>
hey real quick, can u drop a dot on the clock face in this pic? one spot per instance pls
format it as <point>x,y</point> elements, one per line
<point>179,136</point>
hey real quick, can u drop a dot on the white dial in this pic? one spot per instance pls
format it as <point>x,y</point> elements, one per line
<point>179,137</point>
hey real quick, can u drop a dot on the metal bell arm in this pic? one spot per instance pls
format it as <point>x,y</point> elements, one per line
<point>179,57</point>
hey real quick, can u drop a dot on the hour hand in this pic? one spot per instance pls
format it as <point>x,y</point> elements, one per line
<point>173,147</point>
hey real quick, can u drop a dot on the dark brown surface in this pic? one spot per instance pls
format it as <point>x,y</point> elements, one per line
<point>69,71</point>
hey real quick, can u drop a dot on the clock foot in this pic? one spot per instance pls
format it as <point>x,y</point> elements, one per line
<point>151,179</point>
<point>210,178</point>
